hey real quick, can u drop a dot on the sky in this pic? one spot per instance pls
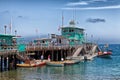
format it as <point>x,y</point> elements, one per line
<point>99,18</point>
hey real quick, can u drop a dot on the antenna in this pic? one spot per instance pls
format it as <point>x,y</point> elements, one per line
<point>74,14</point>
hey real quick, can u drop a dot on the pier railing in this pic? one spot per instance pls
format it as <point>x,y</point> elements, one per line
<point>48,47</point>
<point>6,50</point>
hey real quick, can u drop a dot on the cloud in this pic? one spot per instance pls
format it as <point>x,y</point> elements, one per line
<point>5,12</point>
<point>95,8</point>
<point>83,2</point>
<point>98,0</point>
<point>20,16</point>
<point>97,20</point>
<point>76,3</point>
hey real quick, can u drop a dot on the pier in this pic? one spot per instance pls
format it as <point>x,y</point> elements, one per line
<point>8,60</point>
<point>66,52</point>
<point>8,50</point>
<point>70,45</point>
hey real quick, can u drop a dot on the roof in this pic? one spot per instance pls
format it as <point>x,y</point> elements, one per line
<point>73,28</point>
<point>6,35</point>
<point>42,39</point>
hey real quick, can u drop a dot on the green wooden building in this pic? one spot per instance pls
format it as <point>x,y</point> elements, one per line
<point>11,42</point>
<point>6,41</point>
<point>73,33</point>
<point>20,42</point>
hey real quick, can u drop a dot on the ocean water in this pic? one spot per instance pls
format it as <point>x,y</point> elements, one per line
<point>97,69</point>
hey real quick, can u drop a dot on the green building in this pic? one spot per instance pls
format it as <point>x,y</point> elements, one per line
<point>73,33</point>
<point>6,41</point>
<point>11,42</point>
<point>20,42</point>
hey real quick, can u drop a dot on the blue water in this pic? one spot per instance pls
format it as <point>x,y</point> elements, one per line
<point>97,69</point>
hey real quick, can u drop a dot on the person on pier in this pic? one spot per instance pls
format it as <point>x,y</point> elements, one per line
<point>49,57</point>
<point>42,57</point>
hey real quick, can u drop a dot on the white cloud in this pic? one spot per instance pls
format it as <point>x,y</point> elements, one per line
<point>95,8</point>
<point>83,2</point>
<point>99,0</point>
<point>77,3</point>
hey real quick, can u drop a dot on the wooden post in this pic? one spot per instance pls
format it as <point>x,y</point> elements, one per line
<point>61,53</point>
<point>9,62</point>
<point>52,55</point>
<point>15,62</point>
<point>5,63</point>
<point>57,55</point>
<point>1,63</point>
<point>66,52</point>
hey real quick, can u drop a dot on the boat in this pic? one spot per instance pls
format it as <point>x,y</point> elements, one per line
<point>35,63</point>
<point>104,54</point>
<point>70,62</point>
<point>55,63</point>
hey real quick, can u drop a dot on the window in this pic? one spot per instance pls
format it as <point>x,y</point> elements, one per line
<point>71,30</point>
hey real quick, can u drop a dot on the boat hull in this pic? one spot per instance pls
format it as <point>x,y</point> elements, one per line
<point>70,62</point>
<point>55,64</point>
<point>36,64</point>
<point>104,54</point>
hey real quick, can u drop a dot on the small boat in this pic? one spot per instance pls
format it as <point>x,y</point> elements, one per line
<point>55,63</point>
<point>36,63</point>
<point>104,54</point>
<point>70,62</point>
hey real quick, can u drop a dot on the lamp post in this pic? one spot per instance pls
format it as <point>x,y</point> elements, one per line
<point>15,32</point>
<point>5,28</point>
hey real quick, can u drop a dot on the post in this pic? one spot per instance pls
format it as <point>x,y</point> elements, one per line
<point>5,63</point>
<point>5,28</point>
<point>1,63</point>
<point>52,56</point>
<point>9,62</point>
<point>15,62</point>
<point>57,55</point>
<point>61,54</point>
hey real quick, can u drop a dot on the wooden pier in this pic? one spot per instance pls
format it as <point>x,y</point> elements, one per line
<point>55,52</point>
<point>9,57</point>
<point>8,60</point>
<point>58,52</point>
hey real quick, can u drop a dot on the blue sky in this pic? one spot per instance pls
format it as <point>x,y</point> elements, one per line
<point>100,18</point>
